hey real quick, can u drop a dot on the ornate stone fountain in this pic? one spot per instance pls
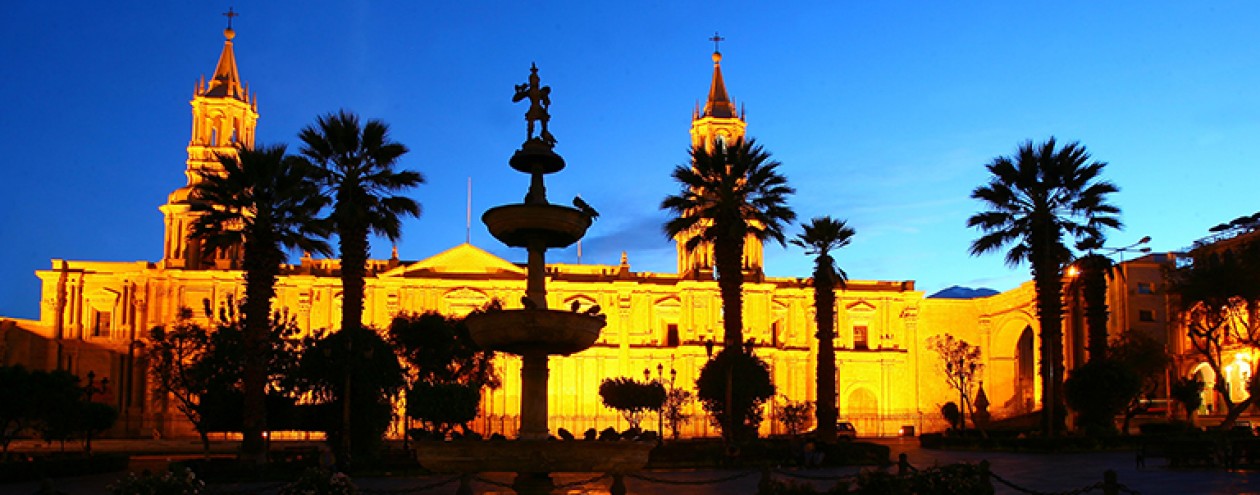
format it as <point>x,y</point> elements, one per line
<point>535,332</point>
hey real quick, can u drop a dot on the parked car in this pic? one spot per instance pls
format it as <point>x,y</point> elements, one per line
<point>844,431</point>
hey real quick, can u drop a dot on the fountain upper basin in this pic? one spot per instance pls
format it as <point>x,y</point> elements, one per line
<point>516,225</point>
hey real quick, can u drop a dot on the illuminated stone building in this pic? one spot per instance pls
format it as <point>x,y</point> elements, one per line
<point>94,314</point>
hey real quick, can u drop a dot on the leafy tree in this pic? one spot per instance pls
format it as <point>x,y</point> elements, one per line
<point>1218,294</point>
<point>57,400</point>
<point>961,365</point>
<point>444,405</point>
<point>375,379</point>
<point>1147,358</point>
<point>1098,391</point>
<point>1189,393</point>
<point>264,201</point>
<point>16,413</point>
<point>439,349</point>
<point>795,415</point>
<point>178,364</point>
<point>748,379</point>
<point>729,193</point>
<point>1035,198</point>
<point>632,398</point>
<point>819,238</point>
<point>445,368</point>
<point>202,369</point>
<point>675,409</point>
<point>357,163</point>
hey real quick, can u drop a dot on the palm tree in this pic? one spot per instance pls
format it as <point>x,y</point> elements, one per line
<point>265,201</point>
<point>819,238</point>
<point>358,163</point>
<point>1035,198</point>
<point>358,169</point>
<point>1095,269</point>
<point>729,193</point>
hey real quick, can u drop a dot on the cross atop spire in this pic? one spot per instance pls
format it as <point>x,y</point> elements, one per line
<point>230,14</point>
<point>715,39</point>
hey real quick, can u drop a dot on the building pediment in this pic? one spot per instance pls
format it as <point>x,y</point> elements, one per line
<point>861,307</point>
<point>464,259</point>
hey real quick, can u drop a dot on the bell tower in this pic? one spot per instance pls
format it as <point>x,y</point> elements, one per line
<point>716,124</point>
<point>224,116</point>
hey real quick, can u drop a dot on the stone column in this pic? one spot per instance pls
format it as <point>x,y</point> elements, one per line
<point>534,396</point>
<point>536,286</point>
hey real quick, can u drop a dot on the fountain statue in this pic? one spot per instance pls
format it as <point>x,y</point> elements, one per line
<point>536,332</point>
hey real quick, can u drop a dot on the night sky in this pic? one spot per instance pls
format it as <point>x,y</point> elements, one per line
<point>883,113</point>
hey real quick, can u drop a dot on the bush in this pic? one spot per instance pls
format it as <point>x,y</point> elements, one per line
<point>168,483</point>
<point>444,405</point>
<point>1098,391</point>
<point>317,482</point>
<point>751,387</point>
<point>632,398</point>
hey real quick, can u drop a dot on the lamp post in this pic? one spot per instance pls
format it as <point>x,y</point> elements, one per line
<point>660,411</point>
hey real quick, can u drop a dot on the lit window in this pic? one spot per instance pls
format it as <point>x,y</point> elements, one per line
<point>100,326</point>
<point>1146,315</point>
<point>859,337</point>
<point>1145,288</point>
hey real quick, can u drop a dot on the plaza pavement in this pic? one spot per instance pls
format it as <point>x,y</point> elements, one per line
<point>1044,473</point>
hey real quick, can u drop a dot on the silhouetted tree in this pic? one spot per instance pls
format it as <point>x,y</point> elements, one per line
<point>632,398</point>
<point>446,369</point>
<point>358,167</point>
<point>1147,358</point>
<point>750,386</point>
<point>819,237</point>
<point>1098,391</point>
<point>1189,393</point>
<point>376,378</point>
<point>960,366</point>
<point>265,201</point>
<point>728,193</point>
<point>1218,300</point>
<point>1035,198</point>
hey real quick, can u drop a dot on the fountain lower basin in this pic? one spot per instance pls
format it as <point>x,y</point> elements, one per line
<point>524,331</point>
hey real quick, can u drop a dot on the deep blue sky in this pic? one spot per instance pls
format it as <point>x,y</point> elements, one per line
<point>883,113</point>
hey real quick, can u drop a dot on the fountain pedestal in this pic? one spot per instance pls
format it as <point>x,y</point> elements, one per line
<point>535,333</point>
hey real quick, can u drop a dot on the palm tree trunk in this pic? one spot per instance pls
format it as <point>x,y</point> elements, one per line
<point>824,315</point>
<point>727,254</point>
<point>262,263</point>
<point>354,254</point>
<point>1049,315</point>
<point>1094,279</point>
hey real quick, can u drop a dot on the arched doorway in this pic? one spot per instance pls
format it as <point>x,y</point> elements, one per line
<point>1204,374</point>
<point>862,409</point>
<point>1025,372</point>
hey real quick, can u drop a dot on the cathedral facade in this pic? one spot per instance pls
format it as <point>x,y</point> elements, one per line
<point>95,315</point>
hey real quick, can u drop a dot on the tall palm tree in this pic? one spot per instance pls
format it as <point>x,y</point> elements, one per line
<point>265,201</point>
<point>727,194</point>
<point>358,163</point>
<point>1095,269</point>
<point>1034,199</point>
<point>819,237</point>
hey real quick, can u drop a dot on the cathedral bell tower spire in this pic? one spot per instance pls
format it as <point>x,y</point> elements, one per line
<point>716,124</point>
<point>225,116</point>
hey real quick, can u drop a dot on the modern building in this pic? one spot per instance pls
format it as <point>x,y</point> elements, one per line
<point>94,315</point>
